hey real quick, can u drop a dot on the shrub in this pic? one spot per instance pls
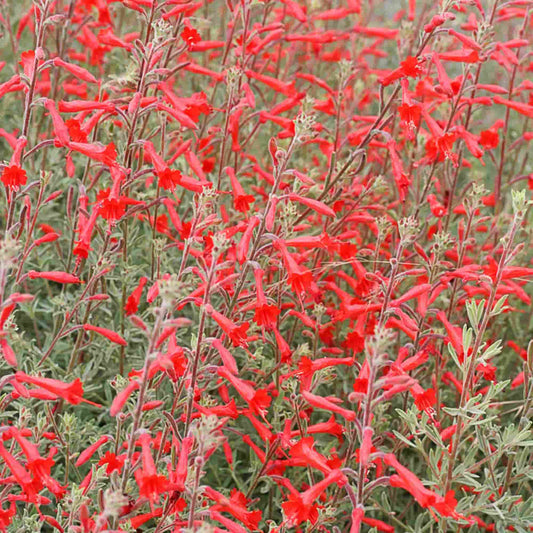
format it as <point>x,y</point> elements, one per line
<point>266,265</point>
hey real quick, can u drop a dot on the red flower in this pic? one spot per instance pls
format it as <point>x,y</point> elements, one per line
<point>75,131</point>
<point>20,475</point>
<point>113,336</point>
<point>99,152</point>
<point>39,466</point>
<point>329,404</point>
<point>113,462</point>
<point>425,497</point>
<point>6,516</point>
<point>237,333</point>
<point>410,67</point>
<point>258,400</point>
<point>169,178</point>
<point>424,399</point>
<point>300,507</point>
<point>241,201</point>
<point>112,206</point>
<point>409,118</point>
<point>489,139</point>
<point>266,315</point>
<point>300,279</point>
<point>190,36</point>
<point>132,303</point>
<point>151,484</point>
<point>122,397</point>
<point>304,451</point>
<point>307,367</point>
<point>91,450</point>
<point>226,356</point>
<point>14,176</point>
<point>234,505</point>
<point>70,392</point>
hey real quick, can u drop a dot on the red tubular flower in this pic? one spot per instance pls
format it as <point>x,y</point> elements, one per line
<point>11,85</point>
<point>7,352</point>
<point>307,367</point>
<point>460,56</point>
<point>158,162</point>
<point>330,427</point>
<point>14,176</point>
<point>283,347</point>
<point>122,397</point>
<point>258,400</point>
<point>409,113</point>
<point>85,230</point>
<point>266,315</point>
<point>182,118</point>
<point>411,67</point>
<point>70,392</point>
<point>75,70</point>
<point>300,507</point>
<point>151,484</point>
<point>112,206</point>
<point>58,277</point>
<point>225,355</point>
<point>436,207</point>
<point>425,497</point>
<point>366,445</point>
<point>489,139</point>
<point>410,482</point>
<point>328,404</point>
<point>39,466</point>
<point>378,524</point>
<point>190,36</point>
<point>132,303</point>
<point>170,178</point>
<point>315,205</point>
<point>230,525</point>
<point>523,109</point>
<point>300,279</point>
<point>286,88</point>
<point>91,450</point>
<point>76,106</point>
<point>20,474</point>
<point>467,41</point>
<point>49,237</point>
<point>241,201</point>
<point>237,333</point>
<point>424,399</point>
<point>442,76</point>
<point>357,517</point>
<point>244,244</point>
<point>60,129</point>
<point>455,336</point>
<point>112,462</point>
<point>179,476</point>
<point>305,452</point>
<point>137,521</point>
<point>6,516</point>
<point>400,177</point>
<point>236,505</point>
<point>410,117</point>
<point>107,333</point>
<point>234,130</point>
<point>99,152</point>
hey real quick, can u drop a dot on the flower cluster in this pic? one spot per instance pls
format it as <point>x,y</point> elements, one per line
<point>265,265</point>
